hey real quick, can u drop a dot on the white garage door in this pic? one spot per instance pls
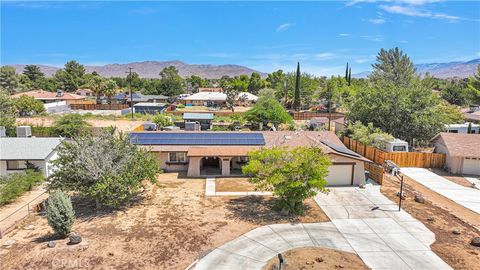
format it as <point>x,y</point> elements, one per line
<point>471,166</point>
<point>340,175</point>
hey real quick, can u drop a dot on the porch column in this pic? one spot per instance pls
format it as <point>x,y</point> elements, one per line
<point>194,167</point>
<point>226,166</point>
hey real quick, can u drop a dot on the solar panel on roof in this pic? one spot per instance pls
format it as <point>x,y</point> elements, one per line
<point>341,149</point>
<point>185,138</point>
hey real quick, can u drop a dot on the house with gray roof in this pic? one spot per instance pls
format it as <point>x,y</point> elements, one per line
<point>16,153</point>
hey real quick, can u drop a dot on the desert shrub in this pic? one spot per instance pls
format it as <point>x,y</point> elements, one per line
<point>60,214</point>
<point>14,185</point>
<point>71,125</point>
<point>162,120</point>
<point>368,134</point>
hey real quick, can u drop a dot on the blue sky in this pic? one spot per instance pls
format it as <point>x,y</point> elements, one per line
<point>265,36</point>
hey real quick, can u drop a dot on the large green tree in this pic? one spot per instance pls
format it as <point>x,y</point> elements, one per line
<point>9,80</point>
<point>34,74</point>
<point>268,110</point>
<point>194,82</point>
<point>107,168</point>
<point>171,84</point>
<point>71,77</point>
<point>255,83</point>
<point>276,79</point>
<point>27,105</point>
<point>293,175</point>
<point>455,93</point>
<point>393,66</point>
<point>8,111</point>
<point>474,86</point>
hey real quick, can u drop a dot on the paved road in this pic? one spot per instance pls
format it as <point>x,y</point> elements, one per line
<point>465,196</point>
<point>384,239</point>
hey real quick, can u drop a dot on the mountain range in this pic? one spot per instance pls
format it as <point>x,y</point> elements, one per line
<point>151,69</point>
<point>457,69</point>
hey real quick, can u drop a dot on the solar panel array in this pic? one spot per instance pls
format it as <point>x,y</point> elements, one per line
<point>341,149</point>
<point>196,138</point>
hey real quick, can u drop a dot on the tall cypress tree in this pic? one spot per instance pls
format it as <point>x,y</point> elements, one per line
<point>349,76</point>
<point>296,101</point>
<point>346,73</point>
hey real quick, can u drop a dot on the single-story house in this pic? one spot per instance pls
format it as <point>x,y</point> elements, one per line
<point>462,152</point>
<point>203,154</point>
<point>204,119</point>
<point>463,128</point>
<point>319,123</point>
<point>124,98</point>
<point>16,152</point>
<point>48,97</point>
<point>217,99</point>
<point>210,89</point>
<point>472,114</point>
<point>150,108</point>
<point>85,92</point>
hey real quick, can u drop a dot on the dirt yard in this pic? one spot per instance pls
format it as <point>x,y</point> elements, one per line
<point>318,259</point>
<point>169,228</point>
<point>122,125</point>
<point>237,184</point>
<point>452,248</point>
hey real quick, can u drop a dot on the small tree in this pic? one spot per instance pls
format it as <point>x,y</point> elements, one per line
<point>71,125</point>
<point>27,105</point>
<point>60,214</point>
<point>162,120</point>
<point>232,94</point>
<point>108,168</point>
<point>268,110</point>
<point>296,100</point>
<point>293,175</point>
<point>7,110</point>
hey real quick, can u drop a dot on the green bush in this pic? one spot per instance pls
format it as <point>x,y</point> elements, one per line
<point>14,185</point>
<point>71,125</point>
<point>60,214</point>
<point>162,120</point>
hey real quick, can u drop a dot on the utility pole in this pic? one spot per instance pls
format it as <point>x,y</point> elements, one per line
<point>130,89</point>
<point>286,92</point>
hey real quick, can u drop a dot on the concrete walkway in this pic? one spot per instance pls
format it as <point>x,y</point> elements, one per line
<point>211,191</point>
<point>383,238</point>
<point>467,197</point>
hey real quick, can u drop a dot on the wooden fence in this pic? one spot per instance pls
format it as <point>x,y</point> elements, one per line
<point>98,106</point>
<point>376,172</point>
<point>402,159</point>
<point>307,115</point>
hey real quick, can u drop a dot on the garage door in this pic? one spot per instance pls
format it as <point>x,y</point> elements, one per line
<point>471,166</point>
<point>340,175</point>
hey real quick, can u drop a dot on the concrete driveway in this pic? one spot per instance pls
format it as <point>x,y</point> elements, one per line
<point>467,197</point>
<point>384,238</point>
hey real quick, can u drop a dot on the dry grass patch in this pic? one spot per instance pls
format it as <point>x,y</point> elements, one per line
<point>168,229</point>
<point>237,184</point>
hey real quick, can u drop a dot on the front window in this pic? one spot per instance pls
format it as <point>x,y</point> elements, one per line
<point>399,148</point>
<point>16,165</point>
<point>177,157</point>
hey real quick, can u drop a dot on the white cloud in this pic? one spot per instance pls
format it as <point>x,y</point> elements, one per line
<point>415,12</point>
<point>324,56</point>
<point>377,21</point>
<point>344,34</point>
<point>402,41</point>
<point>284,26</point>
<point>361,61</point>
<point>376,38</point>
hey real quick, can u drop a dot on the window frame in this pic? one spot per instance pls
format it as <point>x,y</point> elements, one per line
<point>184,159</point>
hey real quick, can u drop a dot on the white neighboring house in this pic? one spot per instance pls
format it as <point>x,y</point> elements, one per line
<point>463,128</point>
<point>16,152</point>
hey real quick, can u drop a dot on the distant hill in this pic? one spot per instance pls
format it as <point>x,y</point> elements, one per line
<point>151,69</point>
<point>441,70</point>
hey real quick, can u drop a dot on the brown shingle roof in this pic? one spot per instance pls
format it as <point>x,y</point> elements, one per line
<point>460,144</point>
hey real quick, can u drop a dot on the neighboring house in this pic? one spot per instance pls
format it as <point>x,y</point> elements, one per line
<point>124,98</point>
<point>85,92</point>
<point>150,108</point>
<point>49,97</point>
<point>223,153</point>
<point>211,89</point>
<point>217,99</point>
<point>16,152</point>
<point>462,152</point>
<point>317,123</point>
<point>463,128</point>
<point>472,114</point>
<point>204,119</point>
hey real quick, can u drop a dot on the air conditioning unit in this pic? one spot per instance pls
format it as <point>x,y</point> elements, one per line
<point>149,126</point>
<point>24,131</point>
<point>3,131</point>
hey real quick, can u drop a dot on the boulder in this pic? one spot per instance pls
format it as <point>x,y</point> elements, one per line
<point>430,218</point>
<point>419,199</point>
<point>75,239</point>
<point>361,186</point>
<point>9,243</point>
<point>457,232</point>
<point>51,244</point>
<point>475,241</point>
<point>29,227</point>
<point>403,195</point>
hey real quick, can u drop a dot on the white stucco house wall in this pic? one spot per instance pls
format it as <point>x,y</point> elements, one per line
<point>16,152</point>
